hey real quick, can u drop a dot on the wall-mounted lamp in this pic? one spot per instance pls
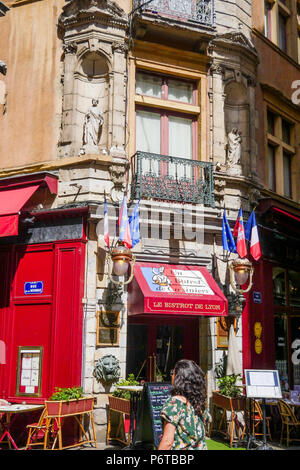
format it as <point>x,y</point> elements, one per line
<point>241,271</point>
<point>120,260</point>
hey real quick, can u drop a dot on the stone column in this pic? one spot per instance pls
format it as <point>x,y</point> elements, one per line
<point>217,114</point>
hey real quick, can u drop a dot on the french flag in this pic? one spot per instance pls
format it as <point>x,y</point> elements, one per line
<point>106,232</point>
<point>124,235</point>
<point>251,234</point>
<point>239,232</point>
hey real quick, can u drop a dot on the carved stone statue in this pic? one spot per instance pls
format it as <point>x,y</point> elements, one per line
<point>93,123</point>
<point>107,369</point>
<point>234,147</point>
<point>3,68</point>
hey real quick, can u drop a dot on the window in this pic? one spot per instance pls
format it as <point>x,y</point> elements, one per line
<point>280,153</point>
<point>271,122</point>
<point>161,130</point>
<point>282,32</point>
<point>272,166</point>
<point>286,131</point>
<point>287,182</point>
<point>268,32</point>
<point>286,295</point>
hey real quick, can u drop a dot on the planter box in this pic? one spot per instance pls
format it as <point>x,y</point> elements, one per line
<point>119,404</point>
<point>70,407</point>
<point>228,403</point>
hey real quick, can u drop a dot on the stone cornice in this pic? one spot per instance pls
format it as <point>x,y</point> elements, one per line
<point>234,40</point>
<point>79,12</point>
<point>104,160</point>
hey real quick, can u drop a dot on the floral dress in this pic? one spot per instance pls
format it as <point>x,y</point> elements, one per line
<point>190,431</point>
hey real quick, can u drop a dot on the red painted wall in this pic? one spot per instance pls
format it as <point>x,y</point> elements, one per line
<point>52,319</point>
<point>263,313</point>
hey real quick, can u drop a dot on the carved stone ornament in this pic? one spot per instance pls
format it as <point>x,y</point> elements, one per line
<point>70,48</point>
<point>107,369</point>
<point>85,11</point>
<point>254,196</point>
<point>3,68</point>
<point>234,147</point>
<point>117,173</point>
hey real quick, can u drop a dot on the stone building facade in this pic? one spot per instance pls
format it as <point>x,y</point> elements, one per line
<point>71,63</point>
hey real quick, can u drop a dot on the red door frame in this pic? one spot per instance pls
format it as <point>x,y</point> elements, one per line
<point>191,332</point>
<point>66,317</point>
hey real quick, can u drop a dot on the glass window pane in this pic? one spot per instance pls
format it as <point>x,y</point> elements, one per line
<point>148,131</point>
<point>180,137</point>
<point>180,145</point>
<point>286,132</point>
<point>281,350</point>
<point>287,184</point>
<point>272,174</point>
<point>294,288</point>
<point>279,292</point>
<point>271,123</point>
<point>282,33</point>
<point>180,91</point>
<point>149,85</point>
<point>267,19</point>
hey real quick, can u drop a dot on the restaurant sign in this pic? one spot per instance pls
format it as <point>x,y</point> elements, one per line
<point>174,289</point>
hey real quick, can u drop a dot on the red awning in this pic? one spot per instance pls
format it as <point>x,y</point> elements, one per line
<point>14,194</point>
<point>287,214</point>
<point>167,289</point>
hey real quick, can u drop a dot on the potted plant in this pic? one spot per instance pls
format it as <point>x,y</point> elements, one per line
<point>119,400</point>
<point>229,395</point>
<point>68,401</point>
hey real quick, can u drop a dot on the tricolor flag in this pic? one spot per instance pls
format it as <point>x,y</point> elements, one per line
<point>106,232</point>
<point>251,234</point>
<point>124,235</point>
<point>134,224</point>
<point>239,232</point>
<point>227,237</point>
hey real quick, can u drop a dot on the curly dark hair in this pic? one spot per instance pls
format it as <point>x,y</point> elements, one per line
<point>190,383</point>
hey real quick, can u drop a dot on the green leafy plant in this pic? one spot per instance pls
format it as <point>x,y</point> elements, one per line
<point>227,386</point>
<point>131,381</point>
<point>68,393</point>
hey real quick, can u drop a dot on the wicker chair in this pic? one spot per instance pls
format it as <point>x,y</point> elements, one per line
<point>37,435</point>
<point>288,420</point>
<point>257,420</point>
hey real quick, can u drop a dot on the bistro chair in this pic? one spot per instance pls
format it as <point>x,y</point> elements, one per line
<point>38,433</point>
<point>288,420</point>
<point>257,420</point>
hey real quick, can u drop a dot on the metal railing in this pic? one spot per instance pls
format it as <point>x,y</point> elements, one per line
<point>168,178</point>
<point>198,11</point>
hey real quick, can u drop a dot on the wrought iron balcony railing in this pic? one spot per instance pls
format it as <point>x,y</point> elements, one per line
<point>172,179</point>
<point>198,11</point>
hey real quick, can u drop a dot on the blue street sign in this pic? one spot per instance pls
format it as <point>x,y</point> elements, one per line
<point>257,297</point>
<point>33,287</point>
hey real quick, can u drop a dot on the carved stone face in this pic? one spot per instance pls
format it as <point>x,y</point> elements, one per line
<point>107,369</point>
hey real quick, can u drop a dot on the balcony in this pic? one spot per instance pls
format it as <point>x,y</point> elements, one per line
<point>200,12</point>
<point>175,179</point>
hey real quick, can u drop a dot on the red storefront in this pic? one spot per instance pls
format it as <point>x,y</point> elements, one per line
<point>271,317</point>
<point>42,269</point>
<point>164,305</point>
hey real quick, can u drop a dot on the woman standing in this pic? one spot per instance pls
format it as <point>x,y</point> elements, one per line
<point>184,413</point>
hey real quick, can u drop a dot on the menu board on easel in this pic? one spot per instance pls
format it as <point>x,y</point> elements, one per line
<point>29,371</point>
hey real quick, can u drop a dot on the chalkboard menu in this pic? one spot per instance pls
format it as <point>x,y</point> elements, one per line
<point>149,428</point>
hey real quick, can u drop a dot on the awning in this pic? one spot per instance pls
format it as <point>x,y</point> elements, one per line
<point>14,194</point>
<point>167,289</point>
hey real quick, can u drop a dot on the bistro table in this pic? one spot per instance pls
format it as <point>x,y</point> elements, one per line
<point>8,419</point>
<point>135,392</point>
